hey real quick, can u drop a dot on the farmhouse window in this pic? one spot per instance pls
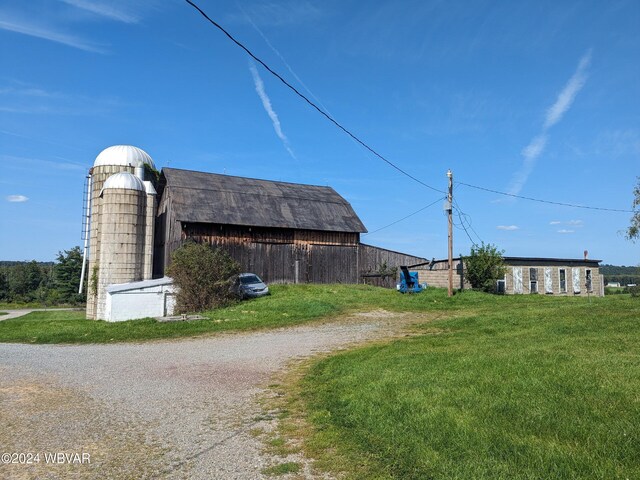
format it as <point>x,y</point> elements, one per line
<point>563,280</point>
<point>533,280</point>
<point>501,286</point>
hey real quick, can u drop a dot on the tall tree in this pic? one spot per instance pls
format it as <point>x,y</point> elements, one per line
<point>4,286</point>
<point>24,279</point>
<point>633,232</point>
<point>66,275</point>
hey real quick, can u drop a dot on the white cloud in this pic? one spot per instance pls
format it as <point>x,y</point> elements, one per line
<point>565,231</point>
<point>17,198</point>
<point>568,93</point>
<point>554,114</point>
<point>46,33</point>
<point>570,223</point>
<point>266,103</point>
<point>104,10</point>
<point>507,227</point>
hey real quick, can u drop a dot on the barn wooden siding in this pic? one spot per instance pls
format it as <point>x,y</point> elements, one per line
<point>168,233</point>
<point>275,254</point>
<point>371,259</point>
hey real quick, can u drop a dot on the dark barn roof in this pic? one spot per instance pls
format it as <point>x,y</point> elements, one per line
<point>199,197</point>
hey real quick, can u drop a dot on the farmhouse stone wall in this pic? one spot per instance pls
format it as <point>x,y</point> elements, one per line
<point>437,275</point>
<point>440,278</point>
<point>597,284</point>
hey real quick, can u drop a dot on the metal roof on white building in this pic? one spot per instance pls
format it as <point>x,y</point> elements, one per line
<point>141,285</point>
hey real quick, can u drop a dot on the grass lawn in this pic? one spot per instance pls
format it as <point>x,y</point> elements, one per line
<point>500,387</point>
<point>288,305</point>
<point>524,388</point>
<point>17,306</point>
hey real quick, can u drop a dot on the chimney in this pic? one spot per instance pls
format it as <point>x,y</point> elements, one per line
<point>586,254</point>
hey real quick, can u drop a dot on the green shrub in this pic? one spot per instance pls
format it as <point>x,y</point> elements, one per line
<point>205,277</point>
<point>483,267</point>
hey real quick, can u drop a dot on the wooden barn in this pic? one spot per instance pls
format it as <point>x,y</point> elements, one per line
<point>284,232</point>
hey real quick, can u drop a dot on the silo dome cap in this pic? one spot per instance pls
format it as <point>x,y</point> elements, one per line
<point>123,155</point>
<point>124,180</point>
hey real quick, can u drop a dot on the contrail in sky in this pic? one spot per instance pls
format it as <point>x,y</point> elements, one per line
<point>277,52</point>
<point>554,114</point>
<point>266,103</point>
<point>41,31</point>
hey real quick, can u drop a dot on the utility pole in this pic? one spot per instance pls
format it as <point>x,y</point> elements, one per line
<point>450,218</point>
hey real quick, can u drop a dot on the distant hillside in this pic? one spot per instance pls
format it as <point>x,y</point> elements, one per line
<point>623,275</point>
<point>619,270</point>
<point>12,263</point>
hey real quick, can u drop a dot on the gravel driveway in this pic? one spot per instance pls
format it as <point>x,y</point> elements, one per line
<point>170,409</point>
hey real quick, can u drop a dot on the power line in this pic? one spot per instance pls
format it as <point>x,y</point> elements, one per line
<point>545,201</point>
<point>312,104</point>
<point>463,227</point>
<point>366,146</point>
<point>404,218</point>
<point>468,218</point>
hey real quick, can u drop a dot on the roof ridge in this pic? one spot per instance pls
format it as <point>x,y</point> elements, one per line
<point>250,178</point>
<point>342,201</point>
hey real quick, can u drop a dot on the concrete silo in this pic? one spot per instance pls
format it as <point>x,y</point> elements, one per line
<point>122,234</point>
<point>105,269</point>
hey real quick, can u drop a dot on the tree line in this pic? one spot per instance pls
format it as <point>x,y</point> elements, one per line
<point>621,274</point>
<point>49,283</point>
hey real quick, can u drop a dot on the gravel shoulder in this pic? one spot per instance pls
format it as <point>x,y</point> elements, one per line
<point>171,409</point>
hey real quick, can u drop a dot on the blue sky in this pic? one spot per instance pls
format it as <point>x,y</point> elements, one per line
<point>539,99</point>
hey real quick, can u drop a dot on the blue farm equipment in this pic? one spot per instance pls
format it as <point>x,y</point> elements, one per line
<point>409,282</point>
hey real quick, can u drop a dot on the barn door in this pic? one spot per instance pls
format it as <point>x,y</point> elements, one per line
<point>333,264</point>
<point>272,262</point>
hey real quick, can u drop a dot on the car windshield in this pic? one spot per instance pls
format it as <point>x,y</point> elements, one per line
<point>249,279</point>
